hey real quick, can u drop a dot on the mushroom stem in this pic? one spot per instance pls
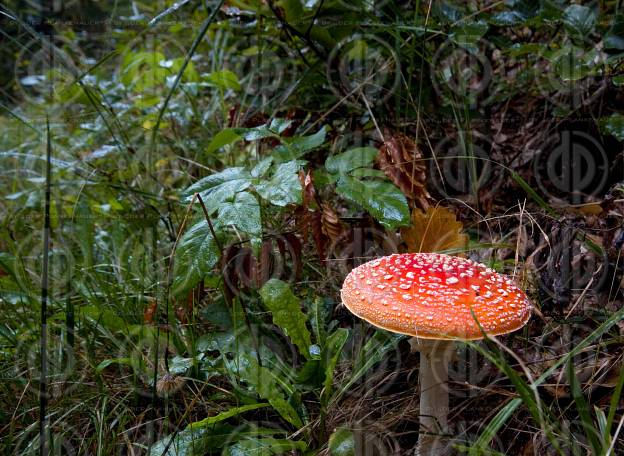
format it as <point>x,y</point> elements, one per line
<point>434,399</point>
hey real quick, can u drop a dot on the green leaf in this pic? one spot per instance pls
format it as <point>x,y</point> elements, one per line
<point>211,420</point>
<point>507,18</point>
<point>287,314</point>
<point>383,200</point>
<point>583,409</point>
<point>493,427</point>
<point>223,342</point>
<point>261,167</point>
<point>224,138</point>
<point>367,172</point>
<point>105,317</point>
<point>180,365</point>
<point>185,443</point>
<point>342,443</point>
<point>244,213</point>
<point>8,264</point>
<point>284,186</point>
<point>280,125</point>
<point>613,406</point>
<point>573,63</point>
<point>219,187</point>
<point>224,79</point>
<point>614,39</point>
<point>264,447</point>
<point>193,442</point>
<point>468,34</point>
<point>141,70</point>
<point>375,350</point>
<point>196,254</point>
<point>266,383</point>
<point>579,21</point>
<point>333,349</point>
<point>613,125</point>
<point>319,314</point>
<point>109,362</point>
<point>350,160</point>
<point>293,148</point>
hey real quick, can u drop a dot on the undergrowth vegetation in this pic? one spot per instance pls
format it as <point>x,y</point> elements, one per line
<point>216,170</point>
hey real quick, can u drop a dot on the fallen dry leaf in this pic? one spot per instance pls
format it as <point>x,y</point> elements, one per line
<point>402,161</point>
<point>434,231</point>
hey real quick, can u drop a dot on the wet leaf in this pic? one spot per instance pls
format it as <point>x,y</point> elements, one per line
<point>219,187</point>
<point>196,255</point>
<point>381,199</point>
<point>284,187</point>
<point>243,213</point>
<point>264,447</point>
<point>342,443</point>
<point>287,314</point>
<point>579,21</point>
<point>347,161</point>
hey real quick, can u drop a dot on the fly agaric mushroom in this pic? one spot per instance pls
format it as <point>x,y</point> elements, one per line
<point>436,298</point>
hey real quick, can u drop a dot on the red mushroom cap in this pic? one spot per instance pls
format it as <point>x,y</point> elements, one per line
<point>435,296</point>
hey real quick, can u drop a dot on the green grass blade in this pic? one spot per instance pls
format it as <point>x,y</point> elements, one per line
<point>532,193</point>
<point>613,406</point>
<point>492,428</point>
<point>582,408</point>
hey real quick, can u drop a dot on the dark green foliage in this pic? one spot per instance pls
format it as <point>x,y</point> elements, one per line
<point>200,152</point>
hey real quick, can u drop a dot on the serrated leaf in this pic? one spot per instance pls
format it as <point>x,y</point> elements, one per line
<point>218,187</point>
<point>209,183</point>
<point>243,213</point>
<point>382,200</point>
<point>347,161</point>
<point>261,167</point>
<point>196,254</point>
<point>434,231</point>
<point>286,311</point>
<point>293,148</point>
<point>284,186</point>
<point>342,443</point>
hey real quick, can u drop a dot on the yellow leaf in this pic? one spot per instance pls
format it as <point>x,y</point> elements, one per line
<point>434,231</point>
